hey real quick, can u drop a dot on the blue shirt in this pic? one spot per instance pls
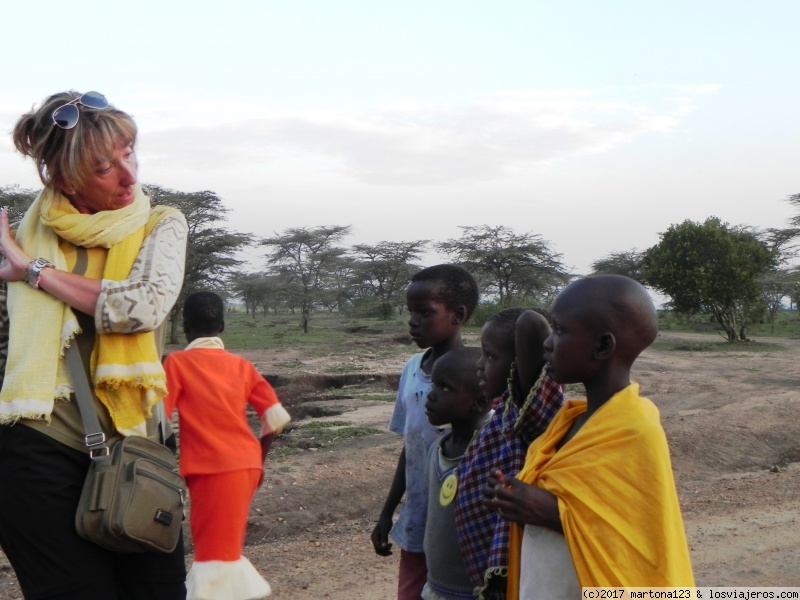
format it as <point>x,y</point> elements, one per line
<point>410,421</point>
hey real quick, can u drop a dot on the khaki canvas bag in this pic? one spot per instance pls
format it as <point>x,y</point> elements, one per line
<point>133,496</point>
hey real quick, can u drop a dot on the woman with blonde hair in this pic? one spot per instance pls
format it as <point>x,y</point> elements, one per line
<point>91,264</point>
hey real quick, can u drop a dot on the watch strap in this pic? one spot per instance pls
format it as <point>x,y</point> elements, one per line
<point>34,269</point>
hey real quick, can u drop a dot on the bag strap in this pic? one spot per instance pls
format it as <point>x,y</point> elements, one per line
<point>95,438</point>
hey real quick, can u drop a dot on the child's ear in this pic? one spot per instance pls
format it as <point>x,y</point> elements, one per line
<point>481,404</point>
<point>459,315</point>
<point>605,346</point>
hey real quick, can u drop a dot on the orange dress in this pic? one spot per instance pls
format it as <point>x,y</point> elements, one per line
<point>220,457</point>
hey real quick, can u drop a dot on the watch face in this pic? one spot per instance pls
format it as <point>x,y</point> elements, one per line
<point>33,270</point>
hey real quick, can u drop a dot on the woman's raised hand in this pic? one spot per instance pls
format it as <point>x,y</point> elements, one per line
<point>15,260</point>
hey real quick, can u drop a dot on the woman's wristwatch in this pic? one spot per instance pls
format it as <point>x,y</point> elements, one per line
<point>34,269</point>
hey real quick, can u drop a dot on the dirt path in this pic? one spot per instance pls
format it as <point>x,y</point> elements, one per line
<point>733,421</point>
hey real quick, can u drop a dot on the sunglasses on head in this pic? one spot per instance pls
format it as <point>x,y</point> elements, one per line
<point>67,115</point>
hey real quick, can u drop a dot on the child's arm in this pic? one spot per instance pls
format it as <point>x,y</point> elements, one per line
<point>522,503</point>
<point>273,420</point>
<point>532,330</point>
<point>266,443</point>
<point>380,534</point>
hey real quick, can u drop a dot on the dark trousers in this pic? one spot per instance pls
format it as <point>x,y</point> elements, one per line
<point>40,484</point>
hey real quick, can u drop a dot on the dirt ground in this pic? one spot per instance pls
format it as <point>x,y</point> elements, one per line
<point>732,419</point>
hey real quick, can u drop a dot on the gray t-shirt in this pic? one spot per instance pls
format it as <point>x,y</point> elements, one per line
<point>447,572</point>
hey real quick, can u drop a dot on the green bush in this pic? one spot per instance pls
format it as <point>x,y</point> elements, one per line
<point>372,308</point>
<point>486,310</point>
<point>483,312</point>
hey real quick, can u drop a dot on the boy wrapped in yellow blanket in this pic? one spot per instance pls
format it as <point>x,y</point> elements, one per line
<point>596,499</point>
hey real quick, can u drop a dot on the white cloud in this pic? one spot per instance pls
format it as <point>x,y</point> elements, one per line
<point>433,145</point>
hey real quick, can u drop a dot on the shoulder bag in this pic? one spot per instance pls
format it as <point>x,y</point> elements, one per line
<point>133,496</point>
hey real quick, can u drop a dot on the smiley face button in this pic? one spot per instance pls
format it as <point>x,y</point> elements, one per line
<point>448,491</point>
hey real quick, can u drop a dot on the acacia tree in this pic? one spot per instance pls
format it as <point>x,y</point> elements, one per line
<point>211,249</point>
<point>784,281</point>
<point>794,222</point>
<point>508,265</point>
<point>710,267</point>
<point>775,286</point>
<point>628,263</point>
<point>306,257</point>
<point>384,270</point>
<point>794,292</point>
<point>254,289</point>
<point>341,283</point>
<point>783,239</point>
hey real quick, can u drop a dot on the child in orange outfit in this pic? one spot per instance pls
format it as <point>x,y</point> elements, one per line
<point>221,458</point>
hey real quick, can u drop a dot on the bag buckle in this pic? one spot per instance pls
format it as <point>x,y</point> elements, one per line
<point>99,452</point>
<point>93,440</point>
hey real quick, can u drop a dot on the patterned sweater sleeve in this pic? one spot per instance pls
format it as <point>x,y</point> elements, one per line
<point>143,300</point>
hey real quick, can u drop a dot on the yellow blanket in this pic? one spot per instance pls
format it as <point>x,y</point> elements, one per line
<point>616,495</point>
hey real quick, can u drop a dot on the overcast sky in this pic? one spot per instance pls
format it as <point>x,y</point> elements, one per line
<point>595,124</point>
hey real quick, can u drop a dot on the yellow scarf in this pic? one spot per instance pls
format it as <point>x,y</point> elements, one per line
<point>616,496</point>
<point>127,373</point>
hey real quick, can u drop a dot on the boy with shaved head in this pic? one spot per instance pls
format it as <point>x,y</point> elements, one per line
<point>455,399</point>
<point>596,502</point>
